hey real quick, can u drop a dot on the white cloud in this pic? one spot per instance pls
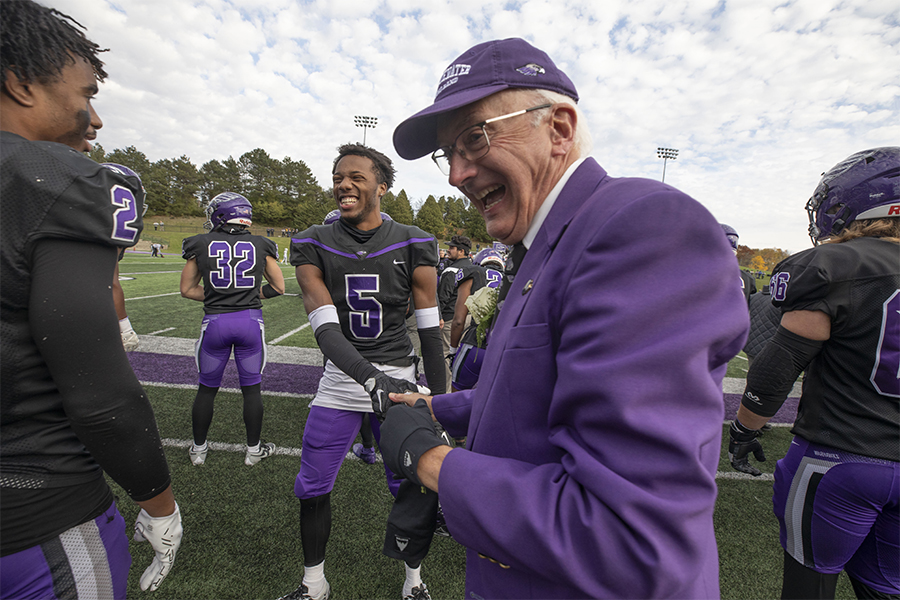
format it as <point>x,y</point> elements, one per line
<point>760,96</point>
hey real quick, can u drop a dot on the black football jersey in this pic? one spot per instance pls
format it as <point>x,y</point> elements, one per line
<point>447,292</point>
<point>851,392</point>
<point>370,282</point>
<point>48,190</point>
<point>480,276</point>
<point>232,266</point>
<point>748,285</point>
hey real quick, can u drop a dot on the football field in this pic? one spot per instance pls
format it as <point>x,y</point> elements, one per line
<point>241,524</point>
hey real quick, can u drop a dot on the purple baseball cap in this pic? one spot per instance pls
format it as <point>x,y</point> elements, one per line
<point>480,71</point>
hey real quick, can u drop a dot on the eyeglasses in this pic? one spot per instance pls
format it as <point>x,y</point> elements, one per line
<point>473,143</point>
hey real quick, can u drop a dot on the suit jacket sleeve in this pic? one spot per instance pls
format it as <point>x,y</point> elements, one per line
<point>594,454</point>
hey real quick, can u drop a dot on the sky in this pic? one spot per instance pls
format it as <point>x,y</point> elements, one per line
<point>760,97</point>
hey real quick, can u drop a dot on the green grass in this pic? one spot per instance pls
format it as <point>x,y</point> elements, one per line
<point>242,523</point>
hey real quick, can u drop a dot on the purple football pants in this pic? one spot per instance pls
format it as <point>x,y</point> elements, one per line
<point>327,438</point>
<point>242,330</point>
<point>87,561</point>
<point>466,366</point>
<point>840,511</point>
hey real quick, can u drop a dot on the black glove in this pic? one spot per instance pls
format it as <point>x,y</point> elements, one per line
<point>744,441</point>
<point>380,386</point>
<point>407,433</point>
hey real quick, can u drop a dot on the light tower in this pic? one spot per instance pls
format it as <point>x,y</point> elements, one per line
<point>365,123</point>
<point>666,154</point>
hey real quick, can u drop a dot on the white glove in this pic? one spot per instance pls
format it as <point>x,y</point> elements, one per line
<point>164,535</point>
<point>129,336</point>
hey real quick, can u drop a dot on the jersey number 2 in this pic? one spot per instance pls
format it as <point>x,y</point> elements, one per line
<point>225,275</point>
<point>125,215</point>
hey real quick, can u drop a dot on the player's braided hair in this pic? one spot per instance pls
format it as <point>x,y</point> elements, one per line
<point>381,164</point>
<point>37,43</point>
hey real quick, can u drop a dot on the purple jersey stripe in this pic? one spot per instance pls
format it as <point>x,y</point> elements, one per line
<point>401,245</point>
<point>322,246</point>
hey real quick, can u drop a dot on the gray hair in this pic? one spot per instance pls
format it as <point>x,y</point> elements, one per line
<point>583,141</point>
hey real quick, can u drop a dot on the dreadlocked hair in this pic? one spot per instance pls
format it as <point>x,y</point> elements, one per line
<point>381,164</point>
<point>37,43</point>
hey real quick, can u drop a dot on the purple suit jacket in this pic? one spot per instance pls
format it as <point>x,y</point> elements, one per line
<point>596,425</point>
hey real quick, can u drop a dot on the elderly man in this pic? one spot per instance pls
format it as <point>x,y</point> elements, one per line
<point>594,433</point>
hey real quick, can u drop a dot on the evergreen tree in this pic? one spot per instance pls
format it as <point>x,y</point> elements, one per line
<point>430,218</point>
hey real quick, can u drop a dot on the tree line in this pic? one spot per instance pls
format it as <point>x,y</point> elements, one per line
<point>284,193</point>
<point>763,259</point>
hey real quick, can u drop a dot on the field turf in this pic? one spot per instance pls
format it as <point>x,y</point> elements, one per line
<point>242,523</point>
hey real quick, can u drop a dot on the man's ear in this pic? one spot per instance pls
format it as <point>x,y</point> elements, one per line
<point>20,90</point>
<point>562,128</point>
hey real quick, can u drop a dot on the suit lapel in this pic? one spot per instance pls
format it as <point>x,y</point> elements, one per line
<point>580,186</point>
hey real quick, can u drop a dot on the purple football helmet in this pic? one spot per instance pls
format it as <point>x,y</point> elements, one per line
<point>126,172</point>
<point>336,214</point>
<point>732,236</point>
<point>865,185</point>
<point>228,207</point>
<point>488,257</point>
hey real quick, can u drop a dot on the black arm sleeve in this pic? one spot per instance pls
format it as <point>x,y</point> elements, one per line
<point>433,357</point>
<point>341,352</point>
<point>775,370</point>
<point>74,324</point>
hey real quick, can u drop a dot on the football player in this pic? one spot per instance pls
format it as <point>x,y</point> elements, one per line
<point>457,259</point>
<point>72,407</point>
<point>357,275</point>
<point>836,491</point>
<point>748,284</point>
<point>231,264</point>
<point>467,349</point>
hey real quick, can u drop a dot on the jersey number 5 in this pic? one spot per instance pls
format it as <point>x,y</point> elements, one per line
<point>365,311</point>
<point>225,275</point>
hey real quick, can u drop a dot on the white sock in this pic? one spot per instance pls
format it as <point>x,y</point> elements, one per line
<point>413,578</point>
<point>199,447</point>
<point>314,578</point>
<point>253,449</point>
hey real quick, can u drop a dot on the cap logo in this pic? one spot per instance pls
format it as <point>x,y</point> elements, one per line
<point>531,70</point>
<point>451,75</point>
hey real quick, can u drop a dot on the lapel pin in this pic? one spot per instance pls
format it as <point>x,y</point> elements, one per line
<point>528,285</point>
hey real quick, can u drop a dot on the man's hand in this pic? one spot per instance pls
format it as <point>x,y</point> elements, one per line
<point>164,535</point>
<point>380,386</point>
<point>742,442</point>
<point>407,433</point>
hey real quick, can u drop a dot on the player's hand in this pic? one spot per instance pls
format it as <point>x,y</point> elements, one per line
<point>742,442</point>
<point>407,433</point>
<point>164,535</point>
<point>129,336</point>
<point>380,386</point>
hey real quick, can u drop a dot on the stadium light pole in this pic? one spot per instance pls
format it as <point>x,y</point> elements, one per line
<point>365,123</point>
<point>666,154</point>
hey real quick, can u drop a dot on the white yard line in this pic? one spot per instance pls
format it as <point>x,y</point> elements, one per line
<point>160,331</point>
<point>288,334</point>
<point>156,296</point>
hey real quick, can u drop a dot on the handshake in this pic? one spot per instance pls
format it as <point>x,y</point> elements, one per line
<point>379,386</point>
<point>407,432</point>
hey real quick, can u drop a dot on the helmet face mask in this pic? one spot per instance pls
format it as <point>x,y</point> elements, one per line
<point>865,185</point>
<point>228,207</point>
